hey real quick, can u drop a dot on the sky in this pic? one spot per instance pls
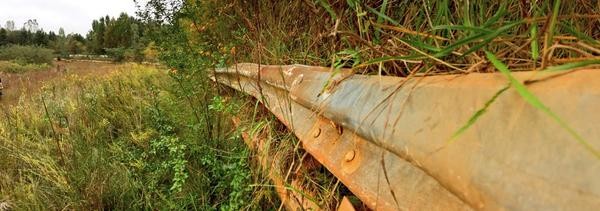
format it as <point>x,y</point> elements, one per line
<point>75,16</point>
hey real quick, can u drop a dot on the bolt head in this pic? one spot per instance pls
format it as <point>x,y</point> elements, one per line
<point>317,133</point>
<point>350,156</point>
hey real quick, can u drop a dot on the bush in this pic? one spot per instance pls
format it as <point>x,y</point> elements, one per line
<point>117,54</point>
<point>26,54</point>
<point>12,67</point>
<point>125,54</point>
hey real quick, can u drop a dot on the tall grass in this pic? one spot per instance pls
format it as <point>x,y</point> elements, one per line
<point>387,37</point>
<point>399,36</point>
<point>278,153</point>
<point>118,142</point>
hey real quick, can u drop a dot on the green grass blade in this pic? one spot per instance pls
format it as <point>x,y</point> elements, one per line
<point>533,33</point>
<point>446,51</point>
<point>580,35</point>
<point>383,16</point>
<point>461,28</point>
<point>477,114</point>
<point>549,36</point>
<point>535,46</point>
<point>467,14</point>
<point>499,14</point>
<point>573,65</point>
<point>536,103</point>
<point>380,19</point>
<point>422,45</point>
<point>490,37</point>
<point>389,59</point>
<point>552,28</point>
<point>328,8</point>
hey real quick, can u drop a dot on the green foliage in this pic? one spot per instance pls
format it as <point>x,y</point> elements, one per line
<point>122,38</point>
<point>126,141</point>
<point>12,67</point>
<point>26,54</point>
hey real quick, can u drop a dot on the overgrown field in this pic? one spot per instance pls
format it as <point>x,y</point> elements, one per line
<point>146,138</point>
<point>129,140</point>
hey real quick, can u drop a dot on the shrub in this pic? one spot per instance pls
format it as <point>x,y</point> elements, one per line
<point>12,67</point>
<point>26,54</point>
<point>125,54</point>
<point>117,54</point>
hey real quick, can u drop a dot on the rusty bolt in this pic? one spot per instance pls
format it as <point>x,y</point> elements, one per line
<point>317,133</point>
<point>350,156</point>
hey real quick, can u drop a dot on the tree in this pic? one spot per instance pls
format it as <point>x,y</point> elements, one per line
<point>41,38</point>
<point>52,36</point>
<point>24,37</point>
<point>3,37</point>
<point>60,44</point>
<point>61,32</point>
<point>120,37</point>
<point>10,25</point>
<point>96,36</point>
<point>31,25</point>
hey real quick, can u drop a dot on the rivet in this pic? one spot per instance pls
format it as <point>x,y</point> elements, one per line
<point>350,156</point>
<point>317,133</point>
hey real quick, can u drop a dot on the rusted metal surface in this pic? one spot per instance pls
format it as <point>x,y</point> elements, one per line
<point>330,144</point>
<point>346,205</point>
<point>386,137</point>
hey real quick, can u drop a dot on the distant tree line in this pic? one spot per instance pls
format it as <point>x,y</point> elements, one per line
<point>121,38</point>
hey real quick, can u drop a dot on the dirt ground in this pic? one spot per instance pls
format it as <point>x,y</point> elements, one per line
<point>22,84</point>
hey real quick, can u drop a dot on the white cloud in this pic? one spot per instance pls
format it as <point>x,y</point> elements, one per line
<point>73,15</point>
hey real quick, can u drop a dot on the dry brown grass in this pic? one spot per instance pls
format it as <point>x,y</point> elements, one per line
<point>17,85</point>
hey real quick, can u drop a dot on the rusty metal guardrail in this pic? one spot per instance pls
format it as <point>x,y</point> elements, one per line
<point>386,138</point>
